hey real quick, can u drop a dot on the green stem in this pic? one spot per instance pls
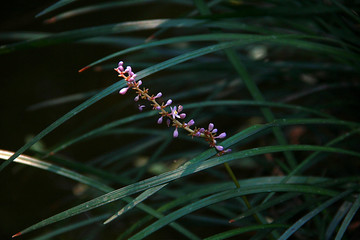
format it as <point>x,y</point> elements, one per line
<point>236,182</point>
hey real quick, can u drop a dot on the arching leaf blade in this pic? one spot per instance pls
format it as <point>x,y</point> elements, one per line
<point>176,174</point>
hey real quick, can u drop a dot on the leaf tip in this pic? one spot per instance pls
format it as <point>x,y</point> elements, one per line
<point>16,235</point>
<point>83,69</point>
<point>110,219</point>
<point>50,20</point>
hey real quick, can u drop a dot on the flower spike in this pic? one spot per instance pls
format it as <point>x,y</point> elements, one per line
<point>175,114</point>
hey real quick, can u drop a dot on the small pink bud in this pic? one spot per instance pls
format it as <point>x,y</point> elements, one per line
<point>176,133</point>
<point>158,108</point>
<point>219,148</point>
<point>180,108</point>
<point>123,90</point>
<point>128,70</point>
<point>214,130</point>
<point>131,79</point>
<point>168,102</point>
<point>222,135</point>
<point>136,98</point>
<point>158,95</point>
<point>183,115</point>
<point>190,123</point>
<point>211,126</point>
<point>139,83</point>
<point>120,66</point>
<point>160,120</point>
<point>141,107</point>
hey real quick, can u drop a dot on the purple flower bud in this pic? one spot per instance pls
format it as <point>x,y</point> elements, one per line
<point>160,120</point>
<point>139,83</point>
<point>197,134</point>
<point>168,122</point>
<point>176,133</point>
<point>183,115</point>
<point>222,135</point>
<point>214,130</point>
<point>201,130</point>
<point>219,148</point>
<point>190,123</point>
<point>128,70</point>
<point>141,107</point>
<point>120,66</point>
<point>211,126</point>
<point>168,102</point>
<point>123,90</point>
<point>180,108</point>
<point>158,108</point>
<point>136,98</point>
<point>158,95</point>
<point>227,150</point>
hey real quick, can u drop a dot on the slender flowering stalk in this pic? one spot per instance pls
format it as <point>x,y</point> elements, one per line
<point>174,115</point>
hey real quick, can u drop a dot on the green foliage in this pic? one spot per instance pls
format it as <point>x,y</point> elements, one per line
<point>281,78</point>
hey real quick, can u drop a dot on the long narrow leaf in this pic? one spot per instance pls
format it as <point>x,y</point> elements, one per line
<point>88,181</point>
<point>175,174</point>
<point>312,214</point>
<point>55,6</point>
<point>344,225</point>
<point>238,231</point>
<point>224,196</point>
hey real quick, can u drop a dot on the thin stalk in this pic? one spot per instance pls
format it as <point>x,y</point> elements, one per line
<point>255,92</point>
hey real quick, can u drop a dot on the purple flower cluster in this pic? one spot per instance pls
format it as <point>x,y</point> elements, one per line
<point>174,115</point>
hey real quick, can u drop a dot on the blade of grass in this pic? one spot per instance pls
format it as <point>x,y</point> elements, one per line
<point>143,196</point>
<point>344,225</point>
<point>222,196</point>
<point>310,160</point>
<point>185,170</point>
<point>340,214</point>
<point>125,27</point>
<point>99,7</point>
<point>88,181</point>
<point>248,38</point>
<point>235,232</point>
<point>263,206</point>
<point>347,11</point>
<point>73,226</point>
<point>55,6</point>
<point>312,214</point>
<point>214,188</point>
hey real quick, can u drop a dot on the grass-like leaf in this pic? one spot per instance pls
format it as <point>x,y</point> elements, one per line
<point>234,232</point>
<point>344,225</point>
<point>23,159</point>
<point>178,173</point>
<point>55,6</point>
<point>228,195</point>
<point>312,214</point>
